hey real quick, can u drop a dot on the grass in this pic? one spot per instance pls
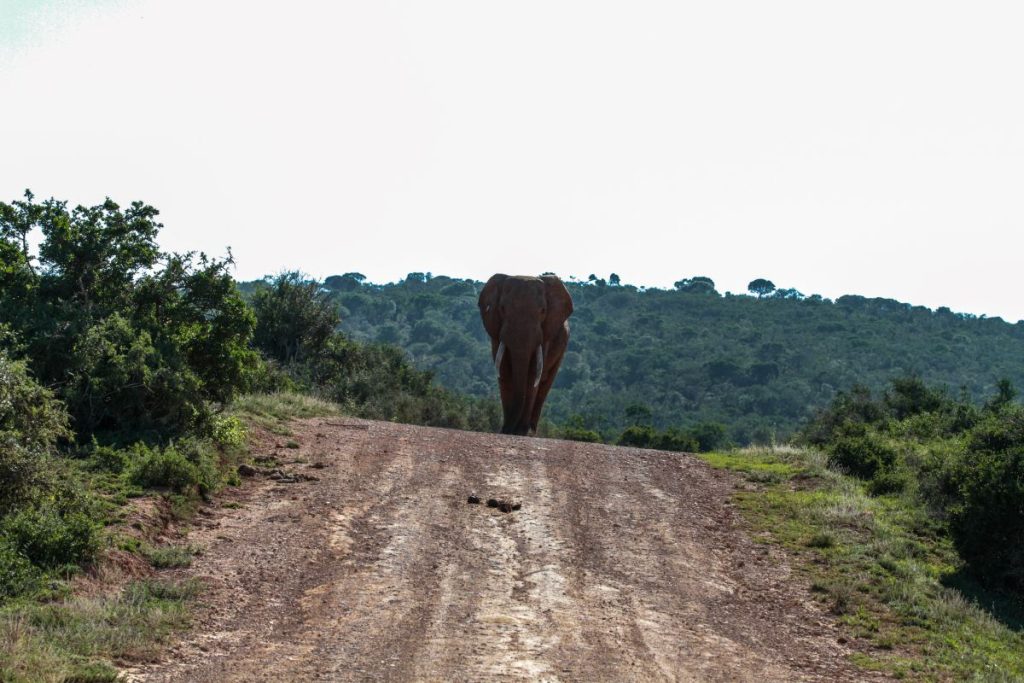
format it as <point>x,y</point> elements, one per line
<point>79,638</point>
<point>273,411</point>
<point>50,633</point>
<point>884,569</point>
<point>168,557</point>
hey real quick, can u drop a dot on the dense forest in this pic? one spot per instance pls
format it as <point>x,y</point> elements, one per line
<point>760,363</point>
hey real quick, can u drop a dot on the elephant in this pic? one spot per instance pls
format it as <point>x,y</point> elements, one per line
<point>527,319</point>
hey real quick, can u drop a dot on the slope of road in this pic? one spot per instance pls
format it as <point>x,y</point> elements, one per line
<point>621,565</point>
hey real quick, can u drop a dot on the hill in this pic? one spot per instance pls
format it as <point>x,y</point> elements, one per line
<point>760,364</point>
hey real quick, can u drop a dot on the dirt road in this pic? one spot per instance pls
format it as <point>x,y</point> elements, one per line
<point>621,565</point>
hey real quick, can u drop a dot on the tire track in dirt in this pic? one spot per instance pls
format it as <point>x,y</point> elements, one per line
<point>622,565</point>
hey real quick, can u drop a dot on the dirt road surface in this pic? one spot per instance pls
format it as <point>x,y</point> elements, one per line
<point>621,565</point>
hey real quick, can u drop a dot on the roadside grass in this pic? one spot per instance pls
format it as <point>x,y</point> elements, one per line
<point>79,638</point>
<point>49,631</point>
<point>273,411</point>
<point>168,557</point>
<point>883,567</point>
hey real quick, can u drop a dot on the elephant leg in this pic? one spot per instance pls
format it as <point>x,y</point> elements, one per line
<point>542,394</point>
<point>548,378</point>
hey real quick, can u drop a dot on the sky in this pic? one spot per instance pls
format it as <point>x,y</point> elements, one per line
<point>872,148</point>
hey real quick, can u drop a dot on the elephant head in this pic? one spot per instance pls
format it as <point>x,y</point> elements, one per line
<point>527,320</point>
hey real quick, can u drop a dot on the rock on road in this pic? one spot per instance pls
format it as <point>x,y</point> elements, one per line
<point>621,565</point>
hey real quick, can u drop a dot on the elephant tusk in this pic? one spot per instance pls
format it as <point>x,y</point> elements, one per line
<point>498,356</point>
<point>540,364</point>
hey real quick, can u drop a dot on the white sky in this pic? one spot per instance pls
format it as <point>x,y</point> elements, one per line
<point>874,148</point>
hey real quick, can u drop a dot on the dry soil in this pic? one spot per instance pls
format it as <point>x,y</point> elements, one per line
<point>621,565</point>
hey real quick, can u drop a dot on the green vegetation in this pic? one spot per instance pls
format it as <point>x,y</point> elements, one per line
<point>908,519</point>
<point>120,366</point>
<point>963,465</point>
<point>759,364</point>
<point>368,380</point>
<point>126,372</point>
<point>76,638</point>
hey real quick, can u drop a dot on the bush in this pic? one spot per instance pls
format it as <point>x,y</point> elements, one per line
<point>911,396</point>
<point>28,411</point>
<point>107,459</point>
<point>860,451</point>
<point>580,434</point>
<point>709,436</point>
<point>675,440</point>
<point>52,538</point>
<point>848,407</point>
<point>638,436</point>
<point>138,342</point>
<point>988,518</point>
<point>187,467</point>
<point>17,573</point>
<point>295,318</point>
<point>702,438</point>
<point>31,422</point>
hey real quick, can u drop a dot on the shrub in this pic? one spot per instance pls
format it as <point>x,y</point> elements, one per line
<point>29,412</point>
<point>988,517</point>
<point>227,431</point>
<point>580,434</point>
<point>107,458</point>
<point>31,422</point>
<point>848,407</point>
<point>889,480</point>
<point>638,436</point>
<point>52,538</point>
<point>187,466</point>
<point>295,318</point>
<point>860,451</point>
<point>911,396</point>
<point>709,436</point>
<point>17,574</point>
<point>675,440</point>
<point>137,341</point>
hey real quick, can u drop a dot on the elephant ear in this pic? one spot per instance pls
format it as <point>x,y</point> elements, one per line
<point>559,305</point>
<point>488,303</point>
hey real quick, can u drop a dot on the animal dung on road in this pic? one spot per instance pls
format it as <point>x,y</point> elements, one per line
<point>499,503</point>
<point>503,505</point>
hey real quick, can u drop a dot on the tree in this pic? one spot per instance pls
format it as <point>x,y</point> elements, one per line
<point>134,340</point>
<point>761,287</point>
<point>698,284</point>
<point>614,280</point>
<point>294,318</point>
<point>638,414</point>
<point>349,282</point>
<point>1005,393</point>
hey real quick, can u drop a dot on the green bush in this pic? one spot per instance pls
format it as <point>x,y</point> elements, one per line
<point>701,438</point>
<point>189,466</point>
<point>855,406</point>
<point>580,434</point>
<point>860,451</point>
<point>107,459</point>
<point>138,342</point>
<point>17,573</point>
<point>988,517</point>
<point>709,436</point>
<point>638,436</point>
<point>52,538</point>
<point>31,422</point>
